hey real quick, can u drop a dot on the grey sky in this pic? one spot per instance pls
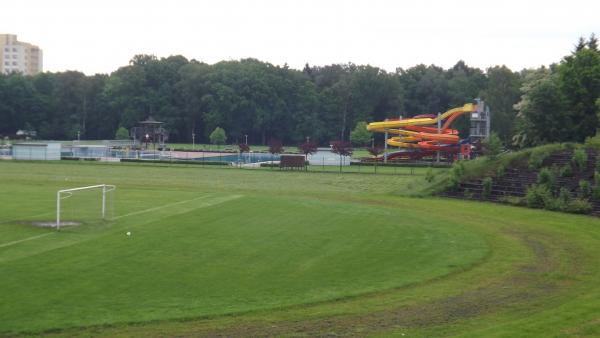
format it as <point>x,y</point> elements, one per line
<point>100,36</point>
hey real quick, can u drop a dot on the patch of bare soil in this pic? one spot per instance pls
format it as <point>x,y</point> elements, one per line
<point>52,224</point>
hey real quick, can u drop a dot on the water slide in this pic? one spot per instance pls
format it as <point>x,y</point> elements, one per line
<point>422,135</point>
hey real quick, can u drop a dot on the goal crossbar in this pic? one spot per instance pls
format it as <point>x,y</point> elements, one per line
<point>69,192</point>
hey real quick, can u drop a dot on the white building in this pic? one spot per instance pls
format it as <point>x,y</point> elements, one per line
<point>36,151</point>
<point>19,57</point>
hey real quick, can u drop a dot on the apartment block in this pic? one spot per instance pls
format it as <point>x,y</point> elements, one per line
<point>19,57</point>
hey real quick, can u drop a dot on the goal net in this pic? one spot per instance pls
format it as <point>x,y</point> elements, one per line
<point>85,205</point>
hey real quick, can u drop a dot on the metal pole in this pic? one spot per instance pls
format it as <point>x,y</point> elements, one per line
<point>58,210</point>
<point>103,201</point>
<point>439,131</point>
<point>488,121</point>
<point>385,147</point>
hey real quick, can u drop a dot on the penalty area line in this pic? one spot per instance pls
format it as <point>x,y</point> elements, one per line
<point>26,239</point>
<point>218,201</point>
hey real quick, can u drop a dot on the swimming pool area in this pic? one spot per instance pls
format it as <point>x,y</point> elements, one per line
<point>323,157</point>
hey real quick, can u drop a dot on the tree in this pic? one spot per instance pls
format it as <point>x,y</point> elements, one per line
<point>541,112</point>
<point>593,42</point>
<point>243,148</point>
<point>375,151</point>
<point>501,95</point>
<point>218,136</point>
<point>360,136</point>
<point>307,148</point>
<point>492,146</point>
<point>579,83</point>
<point>275,147</point>
<point>122,134</point>
<point>580,44</point>
<point>342,148</point>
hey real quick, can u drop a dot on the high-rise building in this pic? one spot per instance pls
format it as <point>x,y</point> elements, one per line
<point>19,57</point>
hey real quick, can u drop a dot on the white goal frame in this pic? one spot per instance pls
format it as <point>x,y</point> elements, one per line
<point>69,192</point>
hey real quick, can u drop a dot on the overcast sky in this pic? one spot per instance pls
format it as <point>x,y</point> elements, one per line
<point>100,36</point>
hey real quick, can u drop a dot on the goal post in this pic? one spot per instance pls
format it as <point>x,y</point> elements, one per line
<point>67,193</point>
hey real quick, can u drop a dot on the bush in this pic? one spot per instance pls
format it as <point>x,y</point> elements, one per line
<point>579,206</point>
<point>456,174</point>
<point>564,196</point>
<point>596,191</point>
<point>562,202</point>
<point>492,146</point>
<point>487,187</point>
<point>546,177</point>
<point>585,189</point>
<point>593,142</point>
<point>538,196</point>
<point>566,171</point>
<point>579,158</point>
<point>513,200</point>
<point>429,175</point>
<point>597,169</point>
<point>537,157</point>
<point>501,170</point>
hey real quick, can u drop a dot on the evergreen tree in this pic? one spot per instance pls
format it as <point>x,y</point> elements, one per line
<point>593,42</point>
<point>581,44</point>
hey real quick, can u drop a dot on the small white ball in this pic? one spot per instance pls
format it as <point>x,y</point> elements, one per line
<point>128,233</point>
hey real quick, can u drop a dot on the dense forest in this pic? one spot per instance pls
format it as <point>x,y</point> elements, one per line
<point>263,101</point>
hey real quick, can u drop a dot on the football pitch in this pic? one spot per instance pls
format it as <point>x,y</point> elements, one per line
<point>230,252</point>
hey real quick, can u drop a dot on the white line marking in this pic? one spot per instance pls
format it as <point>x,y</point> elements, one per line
<point>228,198</point>
<point>25,239</point>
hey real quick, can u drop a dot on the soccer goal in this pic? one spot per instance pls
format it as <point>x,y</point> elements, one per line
<point>84,204</point>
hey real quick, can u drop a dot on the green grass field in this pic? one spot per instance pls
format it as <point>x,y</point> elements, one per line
<point>217,252</point>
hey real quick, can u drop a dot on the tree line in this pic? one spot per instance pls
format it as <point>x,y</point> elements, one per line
<point>320,103</point>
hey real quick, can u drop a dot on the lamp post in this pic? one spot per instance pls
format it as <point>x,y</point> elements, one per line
<point>193,141</point>
<point>246,136</point>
